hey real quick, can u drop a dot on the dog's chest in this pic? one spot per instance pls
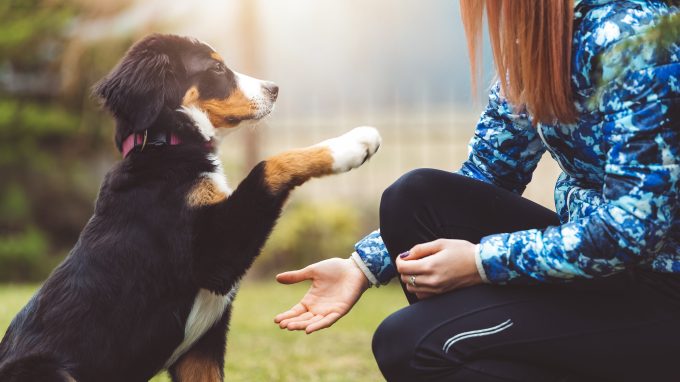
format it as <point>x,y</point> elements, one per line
<point>207,309</point>
<point>217,177</point>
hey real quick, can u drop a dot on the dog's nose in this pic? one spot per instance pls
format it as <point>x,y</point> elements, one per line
<point>272,89</point>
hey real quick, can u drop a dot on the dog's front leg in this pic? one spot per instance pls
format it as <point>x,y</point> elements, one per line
<point>288,170</point>
<point>204,362</point>
<point>230,233</point>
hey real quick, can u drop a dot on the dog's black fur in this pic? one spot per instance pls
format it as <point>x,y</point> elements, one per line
<point>116,308</point>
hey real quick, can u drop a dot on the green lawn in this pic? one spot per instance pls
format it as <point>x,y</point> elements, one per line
<point>259,351</point>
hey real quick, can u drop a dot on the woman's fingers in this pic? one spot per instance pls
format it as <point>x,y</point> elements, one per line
<point>421,280</point>
<point>295,311</point>
<point>416,262</point>
<point>421,287</point>
<point>414,267</point>
<point>302,317</point>
<point>323,323</point>
<point>423,295</point>
<point>301,325</point>
<point>293,277</point>
<point>425,249</point>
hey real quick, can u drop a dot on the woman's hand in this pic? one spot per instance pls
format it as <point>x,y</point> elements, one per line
<point>439,266</point>
<point>337,285</point>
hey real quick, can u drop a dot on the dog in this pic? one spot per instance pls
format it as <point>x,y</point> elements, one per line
<point>149,284</point>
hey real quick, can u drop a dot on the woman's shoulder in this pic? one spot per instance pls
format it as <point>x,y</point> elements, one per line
<point>601,24</point>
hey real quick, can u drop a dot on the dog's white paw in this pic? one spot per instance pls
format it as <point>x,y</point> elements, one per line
<point>353,148</point>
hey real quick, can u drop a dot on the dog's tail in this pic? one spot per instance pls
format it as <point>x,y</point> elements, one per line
<point>34,368</point>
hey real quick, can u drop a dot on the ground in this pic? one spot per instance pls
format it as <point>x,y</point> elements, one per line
<point>259,351</point>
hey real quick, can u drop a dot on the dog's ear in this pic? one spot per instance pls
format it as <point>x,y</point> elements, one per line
<point>137,89</point>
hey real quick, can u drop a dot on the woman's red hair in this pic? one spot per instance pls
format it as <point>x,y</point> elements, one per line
<point>531,45</point>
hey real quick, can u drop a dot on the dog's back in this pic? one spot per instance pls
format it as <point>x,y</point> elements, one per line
<point>127,273</point>
<point>21,359</point>
<point>36,368</point>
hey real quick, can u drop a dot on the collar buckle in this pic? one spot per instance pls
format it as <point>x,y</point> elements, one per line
<point>133,141</point>
<point>146,135</point>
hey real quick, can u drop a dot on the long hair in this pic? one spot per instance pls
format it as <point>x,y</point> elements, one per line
<point>531,45</point>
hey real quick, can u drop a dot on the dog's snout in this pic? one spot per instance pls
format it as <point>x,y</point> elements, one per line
<point>272,89</point>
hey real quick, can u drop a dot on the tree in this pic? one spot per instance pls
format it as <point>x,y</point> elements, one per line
<point>51,140</point>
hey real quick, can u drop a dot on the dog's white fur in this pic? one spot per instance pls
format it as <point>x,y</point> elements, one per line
<point>207,309</point>
<point>253,90</point>
<point>201,121</point>
<point>349,151</point>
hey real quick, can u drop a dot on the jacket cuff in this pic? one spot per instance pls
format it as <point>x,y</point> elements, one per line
<point>372,280</point>
<point>480,266</point>
<point>373,253</point>
<point>492,257</point>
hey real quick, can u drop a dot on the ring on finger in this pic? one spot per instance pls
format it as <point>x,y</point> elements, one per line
<point>412,280</point>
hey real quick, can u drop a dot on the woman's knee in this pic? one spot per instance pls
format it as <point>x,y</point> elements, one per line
<point>406,189</point>
<point>392,348</point>
<point>418,185</point>
<point>409,196</point>
<point>402,351</point>
<point>403,196</point>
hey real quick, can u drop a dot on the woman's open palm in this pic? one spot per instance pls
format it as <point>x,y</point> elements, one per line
<point>337,284</point>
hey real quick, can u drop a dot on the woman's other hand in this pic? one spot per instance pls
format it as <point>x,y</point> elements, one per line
<point>439,266</point>
<point>337,284</point>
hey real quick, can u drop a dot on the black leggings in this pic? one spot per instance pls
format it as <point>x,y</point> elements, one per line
<point>620,328</point>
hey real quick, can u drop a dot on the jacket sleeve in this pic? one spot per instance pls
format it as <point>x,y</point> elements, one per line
<point>504,151</point>
<point>505,148</point>
<point>639,108</point>
<point>372,257</point>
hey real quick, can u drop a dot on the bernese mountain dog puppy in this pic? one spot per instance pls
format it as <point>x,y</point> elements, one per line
<point>149,284</point>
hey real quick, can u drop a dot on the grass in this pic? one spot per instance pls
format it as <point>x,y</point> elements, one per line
<point>258,350</point>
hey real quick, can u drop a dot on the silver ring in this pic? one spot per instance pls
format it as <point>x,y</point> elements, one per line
<point>412,280</point>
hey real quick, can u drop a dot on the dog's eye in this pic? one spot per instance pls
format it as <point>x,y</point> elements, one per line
<point>219,68</point>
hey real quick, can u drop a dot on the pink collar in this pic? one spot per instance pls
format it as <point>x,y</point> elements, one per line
<point>141,139</point>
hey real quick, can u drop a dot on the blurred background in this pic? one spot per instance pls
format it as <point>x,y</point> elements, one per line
<point>398,65</point>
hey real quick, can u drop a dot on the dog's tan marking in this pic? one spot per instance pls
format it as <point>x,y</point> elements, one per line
<point>205,193</point>
<point>216,56</point>
<point>295,167</point>
<point>191,96</point>
<point>194,367</point>
<point>68,377</point>
<point>237,106</point>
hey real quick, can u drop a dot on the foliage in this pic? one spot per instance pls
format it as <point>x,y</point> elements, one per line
<point>24,257</point>
<point>55,143</point>
<point>50,146</point>
<point>309,232</point>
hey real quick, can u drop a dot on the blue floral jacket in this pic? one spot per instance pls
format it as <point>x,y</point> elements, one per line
<point>617,196</point>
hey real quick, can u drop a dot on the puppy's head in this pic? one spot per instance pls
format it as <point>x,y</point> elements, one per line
<point>163,75</point>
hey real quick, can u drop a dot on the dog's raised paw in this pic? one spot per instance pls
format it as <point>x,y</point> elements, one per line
<point>353,148</point>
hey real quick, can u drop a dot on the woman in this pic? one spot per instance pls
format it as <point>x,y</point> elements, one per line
<point>500,287</point>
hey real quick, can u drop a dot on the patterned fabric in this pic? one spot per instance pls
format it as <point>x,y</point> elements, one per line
<point>373,253</point>
<point>617,197</point>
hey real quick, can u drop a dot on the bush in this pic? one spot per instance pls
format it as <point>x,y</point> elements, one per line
<point>309,232</point>
<point>23,257</point>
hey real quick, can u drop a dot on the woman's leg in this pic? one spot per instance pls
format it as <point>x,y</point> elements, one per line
<point>541,333</point>
<point>611,329</point>
<point>426,204</point>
